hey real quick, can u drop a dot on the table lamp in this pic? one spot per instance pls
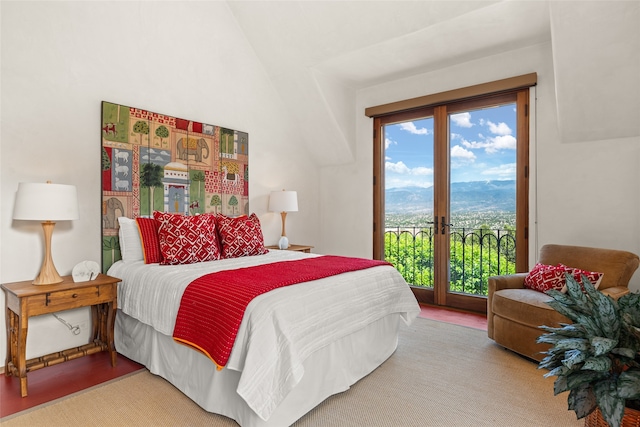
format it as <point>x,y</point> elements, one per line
<point>48,203</point>
<point>283,202</point>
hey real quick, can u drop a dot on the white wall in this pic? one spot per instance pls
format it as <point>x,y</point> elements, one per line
<point>582,193</point>
<point>185,59</point>
<point>189,59</point>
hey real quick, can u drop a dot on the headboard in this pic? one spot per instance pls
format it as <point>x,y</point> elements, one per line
<point>153,162</point>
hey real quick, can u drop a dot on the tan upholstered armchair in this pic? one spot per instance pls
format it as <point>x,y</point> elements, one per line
<point>515,312</point>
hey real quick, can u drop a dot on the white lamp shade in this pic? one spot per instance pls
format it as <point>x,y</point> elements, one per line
<point>283,201</point>
<point>46,202</point>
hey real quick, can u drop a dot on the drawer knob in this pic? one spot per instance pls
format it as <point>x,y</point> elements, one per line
<point>74,296</point>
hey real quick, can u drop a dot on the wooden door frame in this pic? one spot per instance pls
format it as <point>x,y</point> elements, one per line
<point>441,296</point>
<point>441,169</point>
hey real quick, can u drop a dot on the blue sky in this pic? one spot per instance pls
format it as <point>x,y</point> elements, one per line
<point>482,144</point>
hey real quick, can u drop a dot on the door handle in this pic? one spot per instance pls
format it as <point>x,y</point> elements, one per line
<point>443,224</point>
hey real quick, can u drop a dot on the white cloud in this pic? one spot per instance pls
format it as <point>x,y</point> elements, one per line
<point>503,142</point>
<point>475,144</point>
<point>508,170</point>
<point>462,119</point>
<point>499,129</point>
<point>493,145</point>
<point>402,169</point>
<point>460,153</point>
<point>388,142</point>
<point>411,128</point>
<point>398,167</point>
<point>421,170</point>
<point>461,158</point>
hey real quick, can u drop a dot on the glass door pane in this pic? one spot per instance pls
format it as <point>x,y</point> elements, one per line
<point>482,196</point>
<point>409,230</point>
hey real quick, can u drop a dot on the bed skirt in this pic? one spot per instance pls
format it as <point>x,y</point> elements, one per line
<point>332,369</point>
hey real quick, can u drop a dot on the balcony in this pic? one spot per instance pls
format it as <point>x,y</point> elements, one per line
<point>475,255</point>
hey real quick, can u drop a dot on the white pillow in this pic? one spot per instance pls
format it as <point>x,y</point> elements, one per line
<point>130,244</point>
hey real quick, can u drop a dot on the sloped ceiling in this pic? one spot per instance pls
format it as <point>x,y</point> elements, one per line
<point>596,61</point>
<point>319,53</point>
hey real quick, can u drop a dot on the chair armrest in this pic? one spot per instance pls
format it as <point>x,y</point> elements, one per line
<point>496,283</point>
<point>509,281</point>
<point>616,292</point>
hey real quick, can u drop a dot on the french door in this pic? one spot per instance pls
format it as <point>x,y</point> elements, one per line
<point>451,195</point>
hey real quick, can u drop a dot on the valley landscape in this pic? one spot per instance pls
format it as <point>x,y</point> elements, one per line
<point>473,204</point>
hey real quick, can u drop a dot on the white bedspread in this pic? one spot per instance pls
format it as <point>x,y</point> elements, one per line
<point>281,328</point>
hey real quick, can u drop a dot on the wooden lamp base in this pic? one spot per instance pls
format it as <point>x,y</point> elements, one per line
<point>48,274</point>
<point>283,243</point>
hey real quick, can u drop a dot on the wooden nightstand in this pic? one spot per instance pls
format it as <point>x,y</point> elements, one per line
<point>297,248</point>
<point>25,300</point>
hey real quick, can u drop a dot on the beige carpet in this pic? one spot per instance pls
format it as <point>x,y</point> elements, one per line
<point>441,375</point>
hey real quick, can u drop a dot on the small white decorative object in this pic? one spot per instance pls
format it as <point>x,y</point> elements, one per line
<point>283,243</point>
<point>85,271</point>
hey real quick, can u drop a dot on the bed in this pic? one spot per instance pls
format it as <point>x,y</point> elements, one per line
<point>296,345</point>
<point>175,210</point>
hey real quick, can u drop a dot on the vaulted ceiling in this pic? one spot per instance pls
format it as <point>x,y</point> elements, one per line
<point>319,53</point>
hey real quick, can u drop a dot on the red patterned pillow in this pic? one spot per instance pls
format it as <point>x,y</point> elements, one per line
<point>149,237</point>
<point>544,277</point>
<point>187,239</point>
<point>593,276</point>
<point>241,236</point>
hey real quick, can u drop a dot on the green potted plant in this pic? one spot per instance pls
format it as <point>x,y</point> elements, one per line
<point>596,358</point>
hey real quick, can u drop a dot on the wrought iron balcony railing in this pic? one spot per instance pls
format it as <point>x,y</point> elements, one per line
<point>475,255</point>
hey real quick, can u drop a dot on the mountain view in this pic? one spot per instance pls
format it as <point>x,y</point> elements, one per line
<point>473,204</point>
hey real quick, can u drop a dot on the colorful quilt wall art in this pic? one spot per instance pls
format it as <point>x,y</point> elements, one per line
<point>154,162</point>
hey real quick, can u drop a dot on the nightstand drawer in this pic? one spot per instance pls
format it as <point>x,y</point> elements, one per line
<point>70,298</point>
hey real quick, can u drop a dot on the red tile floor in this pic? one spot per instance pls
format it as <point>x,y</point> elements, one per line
<point>76,375</point>
<point>448,315</point>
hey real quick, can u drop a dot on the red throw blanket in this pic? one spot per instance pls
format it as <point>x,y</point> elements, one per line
<point>213,305</point>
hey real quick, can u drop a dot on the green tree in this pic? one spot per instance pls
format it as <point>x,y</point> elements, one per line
<point>197,176</point>
<point>215,202</point>
<point>412,255</point>
<point>226,142</point>
<point>142,128</point>
<point>233,202</point>
<point>106,161</point>
<point>474,257</point>
<point>162,132</point>
<point>151,177</point>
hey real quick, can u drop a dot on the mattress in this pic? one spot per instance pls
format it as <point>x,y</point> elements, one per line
<point>280,331</point>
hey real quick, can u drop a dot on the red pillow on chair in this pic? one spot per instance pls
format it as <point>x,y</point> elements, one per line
<point>593,276</point>
<point>544,277</point>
